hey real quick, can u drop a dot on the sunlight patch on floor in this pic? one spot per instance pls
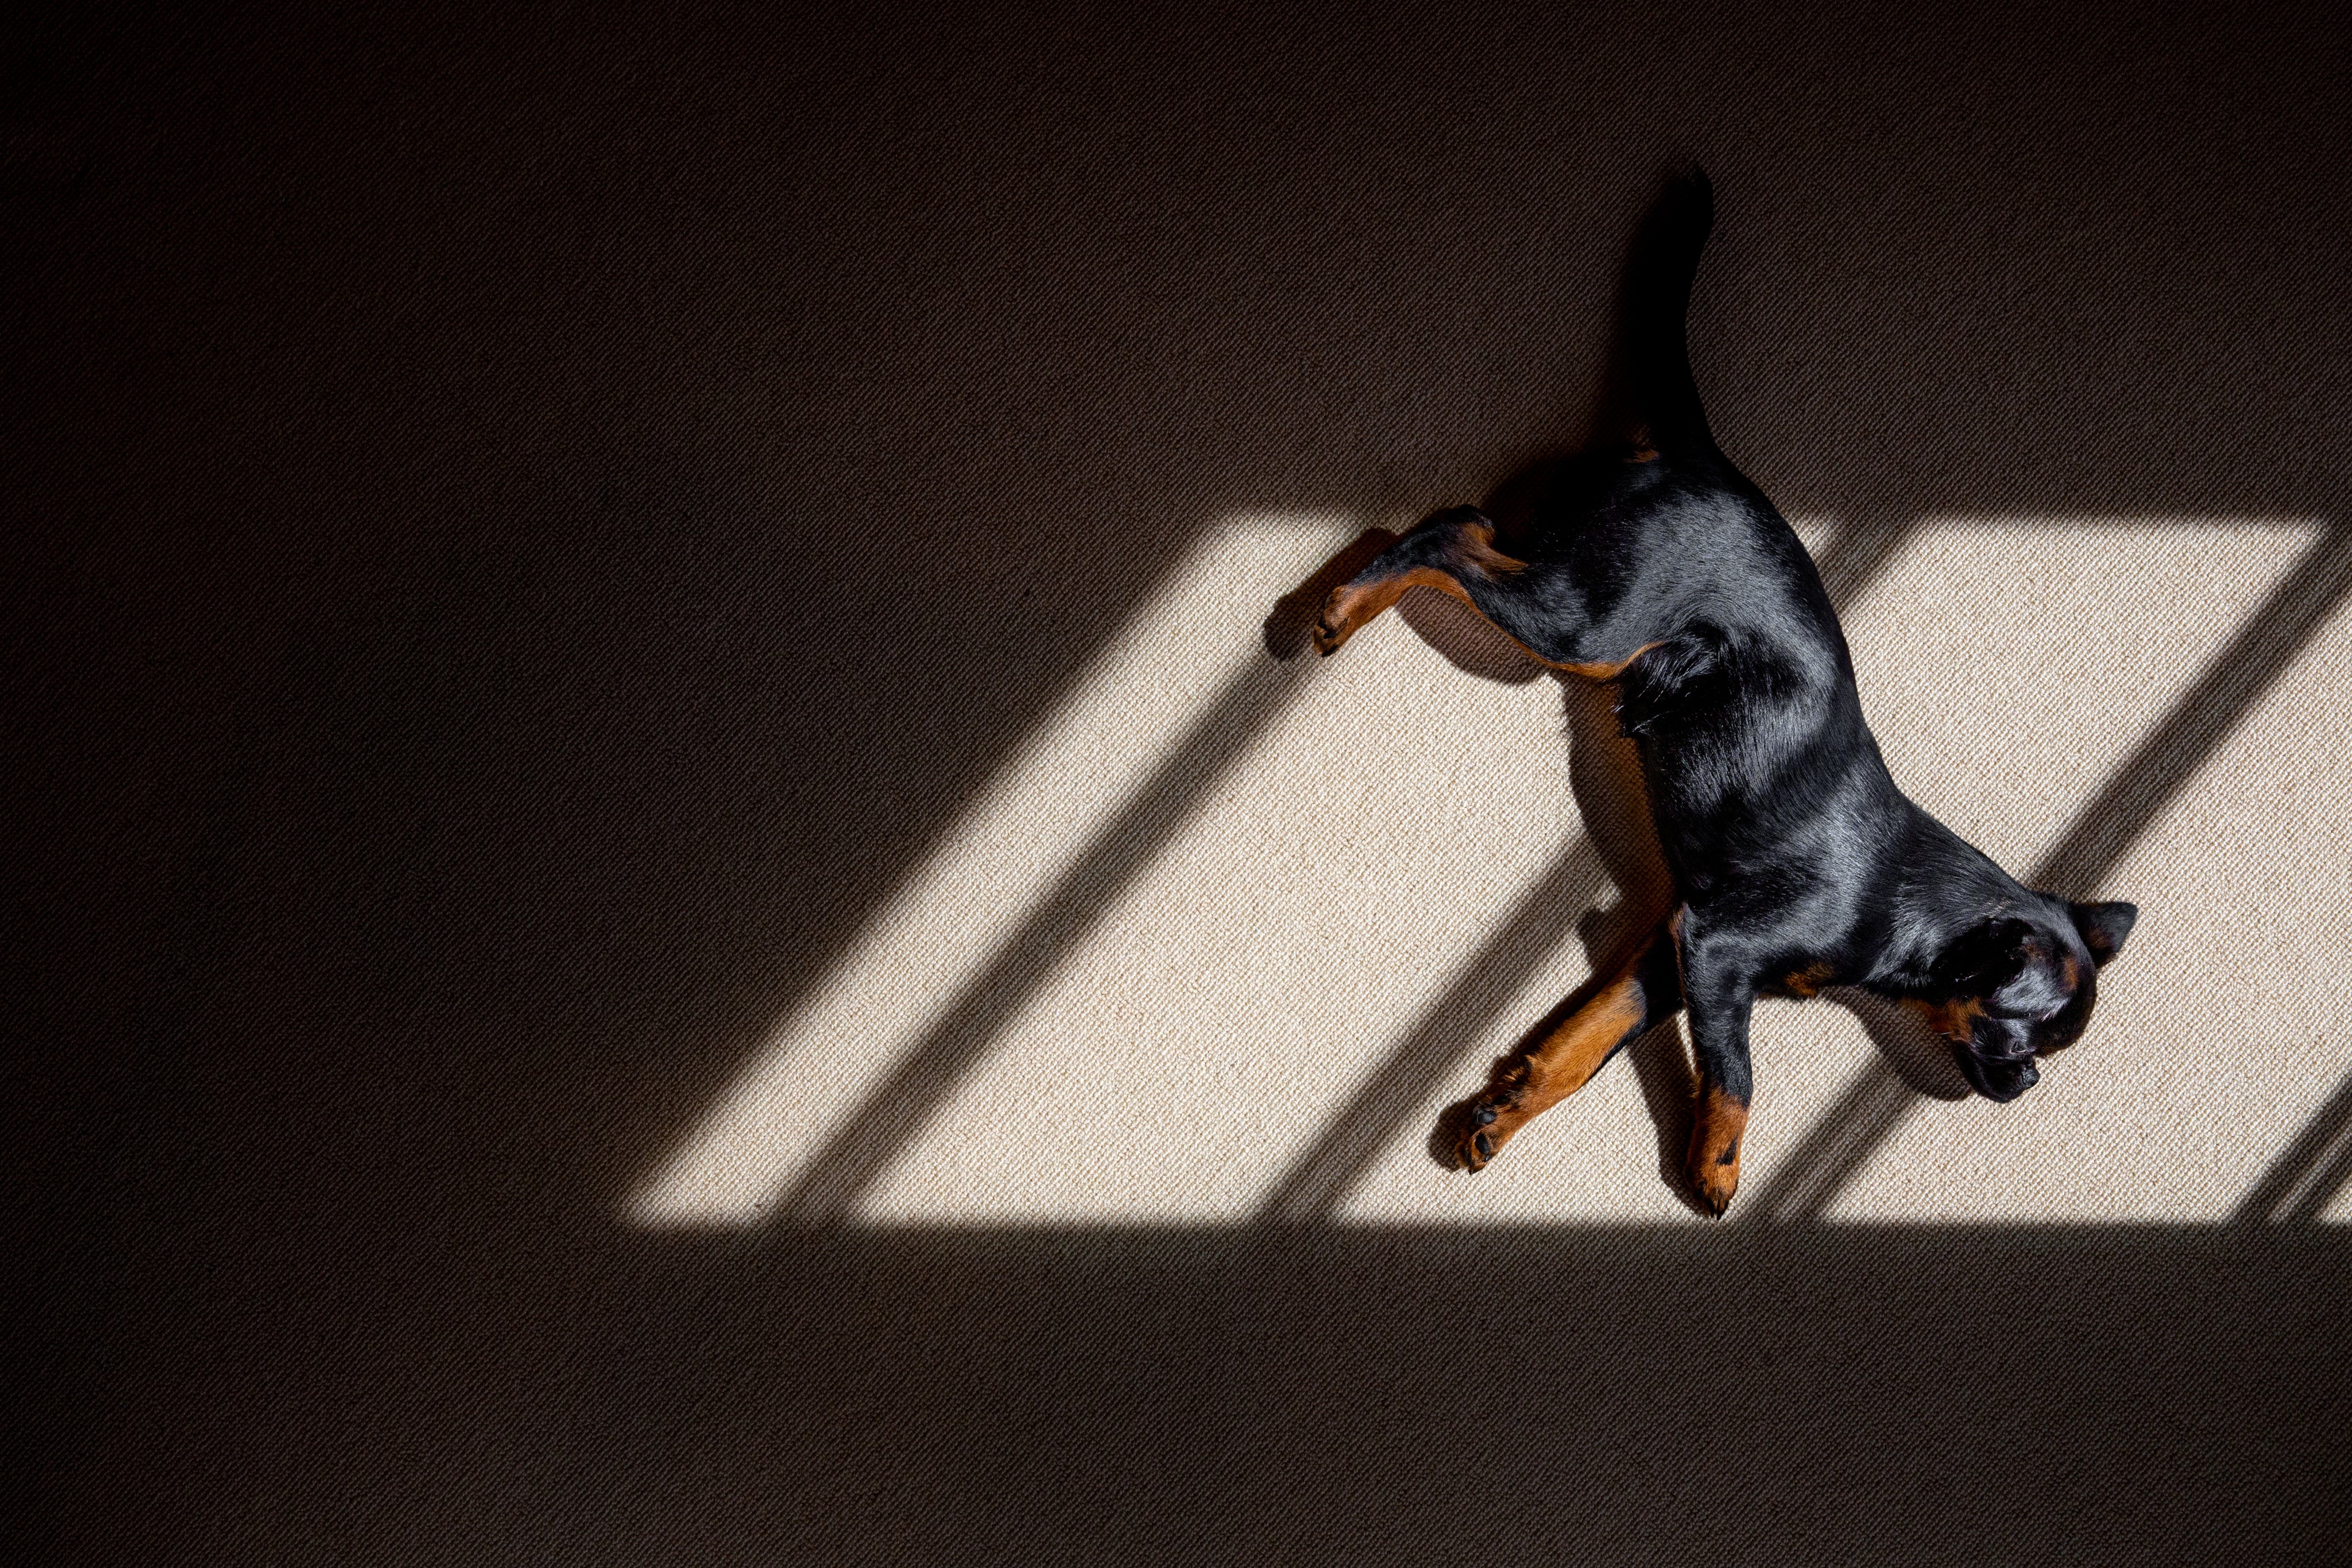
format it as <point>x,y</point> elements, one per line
<point>2220,1030</point>
<point>1326,889</point>
<point>1012,840</point>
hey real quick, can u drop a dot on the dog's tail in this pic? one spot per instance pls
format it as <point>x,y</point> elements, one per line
<point>1655,363</point>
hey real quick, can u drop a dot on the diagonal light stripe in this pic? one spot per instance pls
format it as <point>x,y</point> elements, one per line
<point>932,942</point>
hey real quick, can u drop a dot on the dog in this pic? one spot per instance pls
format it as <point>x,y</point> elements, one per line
<point>1796,862</point>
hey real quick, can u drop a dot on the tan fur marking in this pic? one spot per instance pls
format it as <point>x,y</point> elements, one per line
<point>1603,672</point>
<point>1352,605</point>
<point>1561,1063</point>
<point>1955,1019</point>
<point>1477,540</point>
<point>1808,982</point>
<point>1716,1135</point>
<point>1569,1055</point>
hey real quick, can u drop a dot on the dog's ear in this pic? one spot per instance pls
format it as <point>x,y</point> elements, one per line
<point>2104,927</point>
<point>1986,956</point>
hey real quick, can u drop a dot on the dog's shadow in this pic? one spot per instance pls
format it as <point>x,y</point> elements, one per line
<point>1604,775</point>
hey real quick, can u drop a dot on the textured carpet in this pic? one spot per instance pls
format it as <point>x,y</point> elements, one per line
<point>679,895</point>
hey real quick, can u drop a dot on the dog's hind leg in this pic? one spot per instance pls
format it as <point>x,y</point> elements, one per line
<point>1438,555</point>
<point>1640,994</point>
<point>1454,553</point>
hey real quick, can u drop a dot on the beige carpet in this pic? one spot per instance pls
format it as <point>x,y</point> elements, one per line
<point>677,893</point>
<point>1187,1028</point>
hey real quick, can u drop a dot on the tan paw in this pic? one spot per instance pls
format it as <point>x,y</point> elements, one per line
<point>1715,1175</point>
<point>1339,621</point>
<point>1481,1127</point>
<point>1716,1133</point>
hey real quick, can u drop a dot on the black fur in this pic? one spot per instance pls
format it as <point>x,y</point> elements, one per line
<point>1792,849</point>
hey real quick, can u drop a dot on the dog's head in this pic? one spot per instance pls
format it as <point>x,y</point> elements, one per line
<point>2022,983</point>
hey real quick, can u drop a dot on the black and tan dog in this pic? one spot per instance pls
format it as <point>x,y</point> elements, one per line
<point>1796,861</point>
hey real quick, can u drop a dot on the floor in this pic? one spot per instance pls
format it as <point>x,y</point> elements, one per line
<point>681,892</point>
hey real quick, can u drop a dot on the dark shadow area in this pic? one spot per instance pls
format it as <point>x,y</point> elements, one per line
<point>523,525</point>
<point>1953,1394</point>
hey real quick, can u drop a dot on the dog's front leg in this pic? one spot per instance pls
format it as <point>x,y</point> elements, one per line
<point>1719,990</point>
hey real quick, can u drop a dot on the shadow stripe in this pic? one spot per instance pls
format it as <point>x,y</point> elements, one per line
<point>2276,1197</point>
<point>1834,1150</point>
<point>1321,1180</point>
<point>891,1117</point>
<point>2207,714</point>
<point>2306,1211</point>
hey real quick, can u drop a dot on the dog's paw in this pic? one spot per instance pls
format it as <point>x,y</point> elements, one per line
<point>1345,609</point>
<point>1714,1192</point>
<point>1716,1133</point>
<point>1714,1167</point>
<point>1480,1130</point>
<point>1337,621</point>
